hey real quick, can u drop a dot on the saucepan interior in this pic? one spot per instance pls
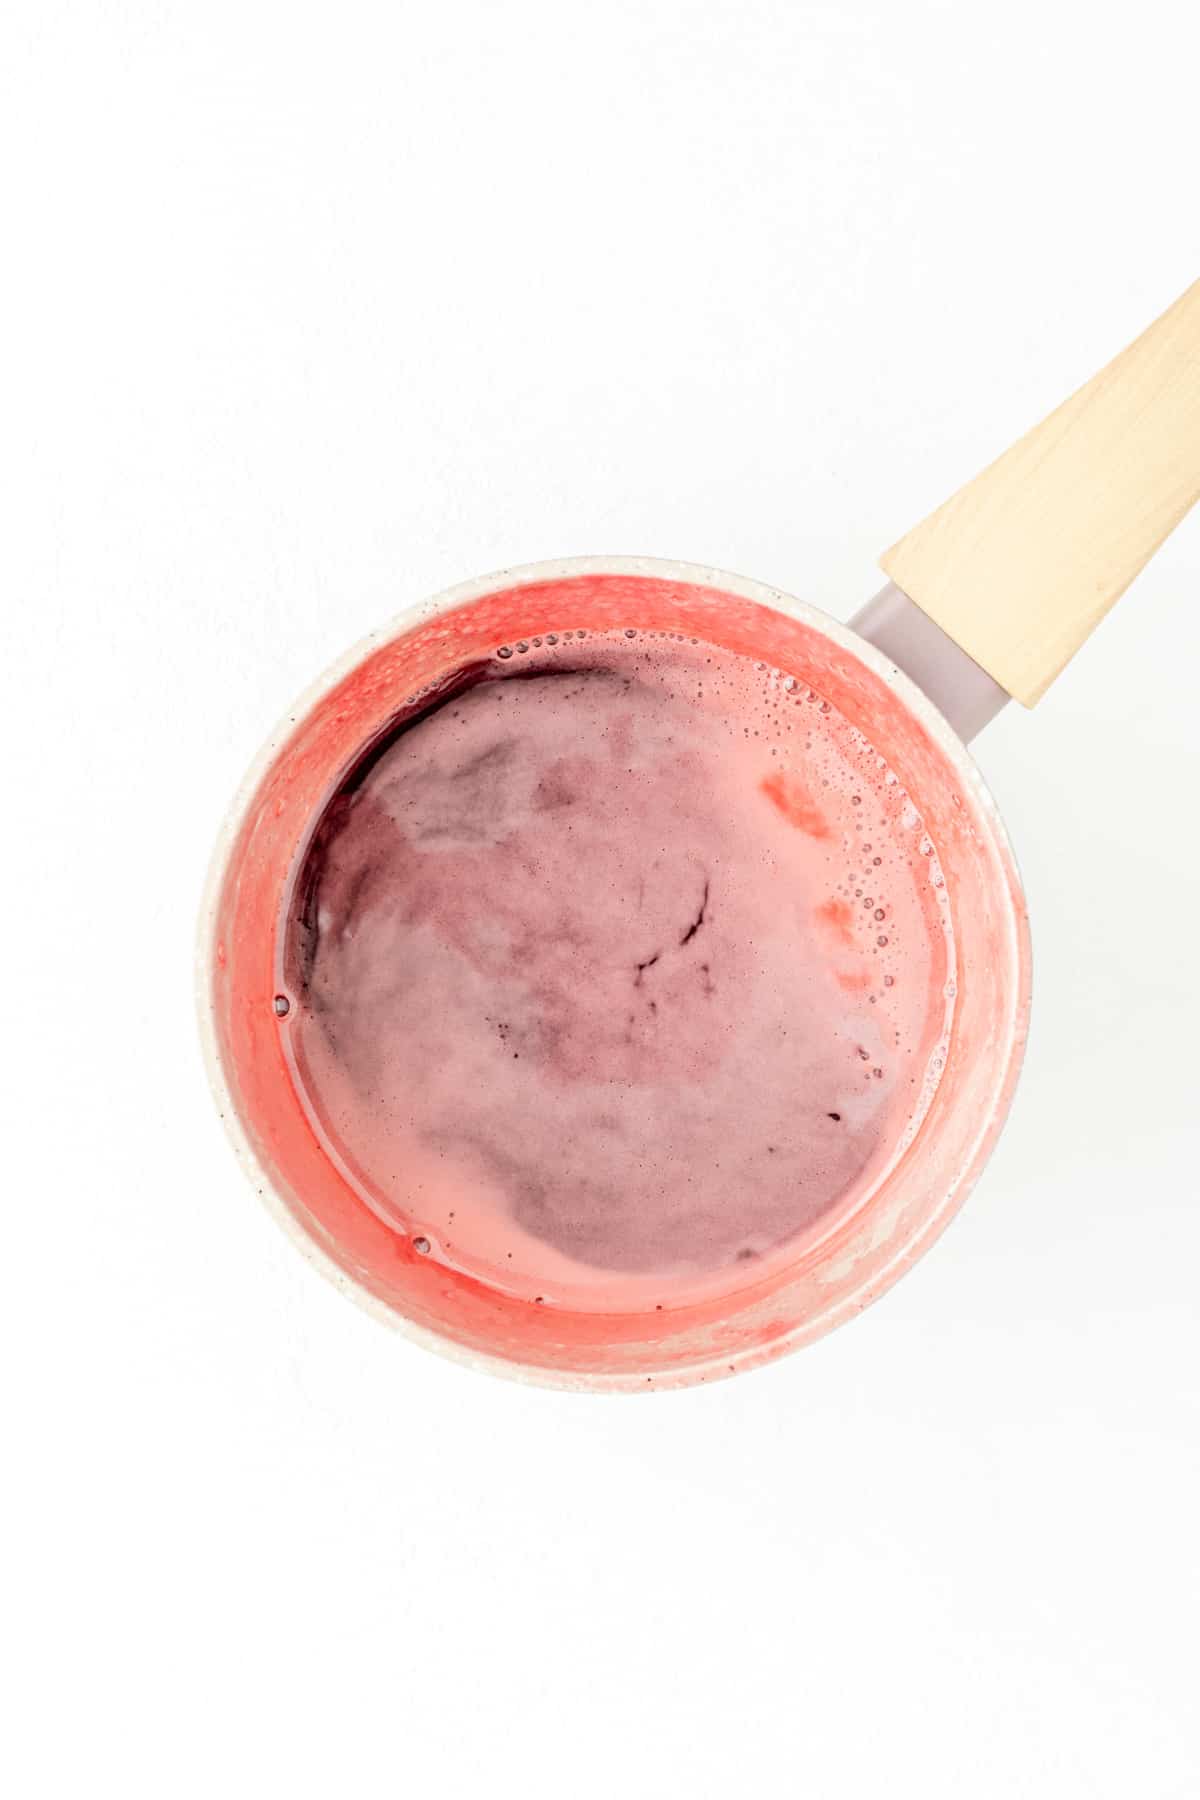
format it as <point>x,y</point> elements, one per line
<point>400,670</point>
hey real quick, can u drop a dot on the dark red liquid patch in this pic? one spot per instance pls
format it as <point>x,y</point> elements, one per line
<point>587,988</point>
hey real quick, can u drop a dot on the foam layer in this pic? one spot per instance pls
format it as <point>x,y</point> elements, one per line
<point>621,974</point>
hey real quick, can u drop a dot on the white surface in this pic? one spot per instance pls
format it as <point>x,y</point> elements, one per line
<point>311,312</point>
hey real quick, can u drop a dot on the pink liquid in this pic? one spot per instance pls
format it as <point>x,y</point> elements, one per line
<point>621,975</point>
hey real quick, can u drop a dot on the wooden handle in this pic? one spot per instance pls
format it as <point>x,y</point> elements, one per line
<point>1022,563</point>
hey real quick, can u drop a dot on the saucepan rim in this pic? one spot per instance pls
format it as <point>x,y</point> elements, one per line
<point>699,575</point>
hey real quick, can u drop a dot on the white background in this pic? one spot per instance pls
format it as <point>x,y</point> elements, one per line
<point>311,311</point>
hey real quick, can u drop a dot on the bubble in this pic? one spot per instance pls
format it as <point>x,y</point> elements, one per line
<point>522,647</point>
<point>889,981</point>
<point>537,643</point>
<point>881,941</point>
<point>552,637</point>
<point>880,912</point>
<point>422,1246</point>
<point>505,651</point>
<point>630,631</point>
<point>283,1006</point>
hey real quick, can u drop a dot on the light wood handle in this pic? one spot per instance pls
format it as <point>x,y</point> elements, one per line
<point>1020,565</point>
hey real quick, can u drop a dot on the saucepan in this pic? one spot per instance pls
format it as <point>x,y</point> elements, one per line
<point>987,600</point>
